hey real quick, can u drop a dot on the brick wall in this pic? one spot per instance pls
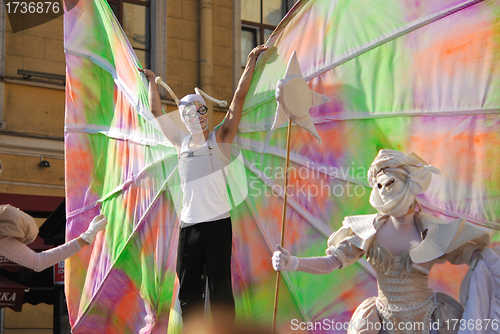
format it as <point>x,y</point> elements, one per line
<point>183,44</point>
<point>38,49</point>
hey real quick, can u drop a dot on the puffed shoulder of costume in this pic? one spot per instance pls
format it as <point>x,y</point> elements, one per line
<point>17,224</point>
<point>347,244</point>
<point>362,226</point>
<point>445,237</point>
<point>442,237</point>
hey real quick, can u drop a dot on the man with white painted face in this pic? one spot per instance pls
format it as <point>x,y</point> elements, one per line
<point>205,239</point>
<point>402,243</point>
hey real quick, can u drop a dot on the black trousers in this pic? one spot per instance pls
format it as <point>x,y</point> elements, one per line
<point>206,246</point>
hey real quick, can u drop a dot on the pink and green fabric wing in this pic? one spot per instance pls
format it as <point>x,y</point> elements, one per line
<point>117,162</point>
<point>417,77</point>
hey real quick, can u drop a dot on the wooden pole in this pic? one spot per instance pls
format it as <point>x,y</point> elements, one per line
<point>283,216</point>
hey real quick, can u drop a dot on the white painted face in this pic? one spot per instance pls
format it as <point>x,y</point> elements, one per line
<point>195,117</point>
<point>194,113</point>
<point>389,186</point>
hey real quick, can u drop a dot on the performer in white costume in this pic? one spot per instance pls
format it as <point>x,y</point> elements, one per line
<point>402,243</point>
<point>205,239</point>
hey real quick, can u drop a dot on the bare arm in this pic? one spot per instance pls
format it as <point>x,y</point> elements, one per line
<point>170,130</point>
<point>228,129</point>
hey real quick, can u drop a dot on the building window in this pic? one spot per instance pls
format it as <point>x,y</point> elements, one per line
<point>134,17</point>
<point>258,20</point>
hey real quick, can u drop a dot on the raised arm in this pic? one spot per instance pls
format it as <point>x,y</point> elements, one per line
<point>170,130</point>
<point>228,129</point>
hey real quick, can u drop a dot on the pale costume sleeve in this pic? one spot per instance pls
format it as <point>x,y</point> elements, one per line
<point>462,254</point>
<point>483,293</point>
<point>318,265</point>
<point>18,252</point>
<point>340,253</point>
<point>346,246</point>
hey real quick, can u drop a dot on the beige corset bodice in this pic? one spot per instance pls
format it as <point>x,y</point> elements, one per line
<point>403,291</point>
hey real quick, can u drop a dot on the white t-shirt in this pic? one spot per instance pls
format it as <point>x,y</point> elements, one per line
<point>203,182</point>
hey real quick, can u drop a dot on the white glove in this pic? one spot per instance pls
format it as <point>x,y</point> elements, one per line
<point>97,224</point>
<point>283,261</point>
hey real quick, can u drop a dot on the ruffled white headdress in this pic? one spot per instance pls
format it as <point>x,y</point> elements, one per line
<point>414,171</point>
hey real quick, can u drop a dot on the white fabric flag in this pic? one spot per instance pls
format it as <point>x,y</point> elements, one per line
<point>295,99</point>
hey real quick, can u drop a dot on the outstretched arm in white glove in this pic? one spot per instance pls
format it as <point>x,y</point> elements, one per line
<point>283,261</point>
<point>97,224</point>
<point>18,252</point>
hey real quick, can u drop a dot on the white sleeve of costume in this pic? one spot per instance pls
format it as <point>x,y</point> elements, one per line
<point>21,254</point>
<point>483,300</point>
<point>318,265</point>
